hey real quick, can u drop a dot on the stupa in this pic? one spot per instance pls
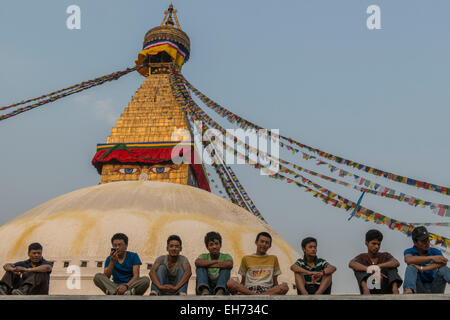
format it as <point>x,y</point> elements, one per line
<point>142,192</point>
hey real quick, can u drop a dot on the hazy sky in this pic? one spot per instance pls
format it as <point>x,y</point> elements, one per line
<point>311,69</point>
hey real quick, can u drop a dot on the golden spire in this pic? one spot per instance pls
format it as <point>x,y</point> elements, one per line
<point>177,43</point>
<point>149,129</point>
<point>169,20</point>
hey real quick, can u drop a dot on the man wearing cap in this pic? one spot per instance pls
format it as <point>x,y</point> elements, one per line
<point>427,270</point>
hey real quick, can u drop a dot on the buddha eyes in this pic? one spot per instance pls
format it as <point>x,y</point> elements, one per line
<point>161,169</point>
<point>128,170</point>
<point>157,170</point>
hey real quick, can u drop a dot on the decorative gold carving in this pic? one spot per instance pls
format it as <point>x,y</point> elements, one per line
<point>169,12</point>
<point>168,33</point>
<point>160,68</point>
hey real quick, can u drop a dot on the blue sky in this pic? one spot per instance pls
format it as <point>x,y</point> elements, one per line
<point>311,69</point>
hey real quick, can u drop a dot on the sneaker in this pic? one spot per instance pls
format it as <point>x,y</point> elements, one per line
<point>154,293</point>
<point>111,293</point>
<point>181,293</point>
<point>130,292</point>
<point>204,292</point>
<point>20,292</point>
<point>3,290</point>
<point>220,292</point>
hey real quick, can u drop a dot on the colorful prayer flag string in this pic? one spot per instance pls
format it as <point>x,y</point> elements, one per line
<point>191,108</point>
<point>56,95</point>
<point>242,196</point>
<point>233,118</point>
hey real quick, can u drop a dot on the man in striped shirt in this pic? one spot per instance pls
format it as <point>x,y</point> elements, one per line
<point>312,274</point>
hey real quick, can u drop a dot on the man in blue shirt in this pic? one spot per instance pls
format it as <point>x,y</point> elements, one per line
<point>27,277</point>
<point>427,270</point>
<point>123,266</point>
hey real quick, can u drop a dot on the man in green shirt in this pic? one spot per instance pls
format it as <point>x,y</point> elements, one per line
<point>213,268</point>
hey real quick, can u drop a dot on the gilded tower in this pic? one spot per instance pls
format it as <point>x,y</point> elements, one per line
<point>153,128</point>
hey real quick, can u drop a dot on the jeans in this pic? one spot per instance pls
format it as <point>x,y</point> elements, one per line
<point>163,277</point>
<point>413,281</point>
<point>203,280</point>
<point>109,287</point>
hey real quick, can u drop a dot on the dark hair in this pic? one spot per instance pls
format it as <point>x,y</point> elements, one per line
<point>420,234</point>
<point>34,246</point>
<point>264,234</point>
<point>211,236</point>
<point>120,236</point>
<point>174,237</point>
<point>308,240</point>
<point>374,235</point>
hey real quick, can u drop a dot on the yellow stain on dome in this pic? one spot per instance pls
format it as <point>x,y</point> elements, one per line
<point>284,248</point>
<point>20,242</point>
<point>164,220</point>
<point>86,224</point>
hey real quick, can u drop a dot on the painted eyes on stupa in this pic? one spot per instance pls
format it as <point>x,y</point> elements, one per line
<point>161,169</point>
<point>128,170</point>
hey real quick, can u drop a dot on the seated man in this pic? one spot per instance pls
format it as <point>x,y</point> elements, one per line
<point>170,273</point>
<point>390,280</point>
<point>427,270</point>
<point>123,265</point>
<point>312,274</point>
<point>213,268</point>
<point>27,277</point>
<point>259,271</point>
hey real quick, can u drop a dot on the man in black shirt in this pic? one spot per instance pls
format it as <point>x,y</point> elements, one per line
<point>27,277</point>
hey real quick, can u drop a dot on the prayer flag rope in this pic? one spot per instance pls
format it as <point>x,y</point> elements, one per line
<point>247,203</point>
<point>343,203</point>
<point>56,95</point>
<point>440,209</point>
<point>380,190</point>
<point>244,124</point>
<point>437,208</point>
<point>232,184</point>
<point>225,183</point>
<point>318,187</point>
<point>360,212</point>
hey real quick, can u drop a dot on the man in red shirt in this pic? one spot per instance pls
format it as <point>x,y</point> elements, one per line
<point>390,280</point>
